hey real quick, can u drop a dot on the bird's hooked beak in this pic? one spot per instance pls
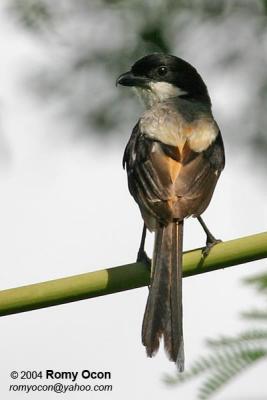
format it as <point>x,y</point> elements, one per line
<point>129,79</point>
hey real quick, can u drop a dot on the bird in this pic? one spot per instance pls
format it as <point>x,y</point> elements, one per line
<point>173,159</point>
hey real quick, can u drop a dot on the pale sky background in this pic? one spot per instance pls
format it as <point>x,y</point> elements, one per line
<point>53,225</point>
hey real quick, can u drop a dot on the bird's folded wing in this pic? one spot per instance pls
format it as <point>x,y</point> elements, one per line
<point>160,175</point>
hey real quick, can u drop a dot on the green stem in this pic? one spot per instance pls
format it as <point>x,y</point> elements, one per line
<point>125,277</point>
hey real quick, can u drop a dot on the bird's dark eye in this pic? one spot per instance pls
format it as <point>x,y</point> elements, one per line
<point>162,70</point>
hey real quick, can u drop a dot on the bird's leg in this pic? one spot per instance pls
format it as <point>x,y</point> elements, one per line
<point>211,240</point>
<point>142,256</point>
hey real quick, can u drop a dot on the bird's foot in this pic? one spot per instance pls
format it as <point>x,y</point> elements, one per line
<point>211,241</point>
<point>143,258</point>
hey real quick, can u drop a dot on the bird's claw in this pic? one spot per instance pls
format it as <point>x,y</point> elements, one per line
<point>209,245</point>
<point>143,258</point>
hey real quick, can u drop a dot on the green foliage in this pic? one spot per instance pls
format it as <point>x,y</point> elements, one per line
<point>33,14</point>
<point>229,356</point>
<point>260,281</point>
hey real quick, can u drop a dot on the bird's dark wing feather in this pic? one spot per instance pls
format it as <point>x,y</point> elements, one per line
<point>215,154</point>
<point>168,183</point>
<point>144,180</point>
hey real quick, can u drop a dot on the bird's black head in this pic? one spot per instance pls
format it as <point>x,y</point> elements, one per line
<point>166,76</point>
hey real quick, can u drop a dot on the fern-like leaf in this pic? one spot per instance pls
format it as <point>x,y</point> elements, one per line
<point>234,364</point>
<point>260,281</point>
<point>229,356</point>
<point>250,337</point>
<point>257,315</point>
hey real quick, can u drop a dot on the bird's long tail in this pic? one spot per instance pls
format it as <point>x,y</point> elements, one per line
<point>163,314</point>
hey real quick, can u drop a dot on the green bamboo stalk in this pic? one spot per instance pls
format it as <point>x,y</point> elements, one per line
<point>125,277</point>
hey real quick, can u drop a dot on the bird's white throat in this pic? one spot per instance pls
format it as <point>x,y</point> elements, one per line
<point>157,92</point>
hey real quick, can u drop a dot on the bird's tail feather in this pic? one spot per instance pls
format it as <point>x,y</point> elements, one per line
<point>163,314</point>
